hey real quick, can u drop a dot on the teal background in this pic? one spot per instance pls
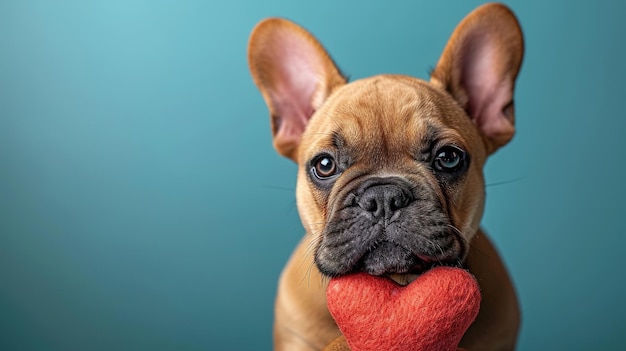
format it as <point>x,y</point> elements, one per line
<point>142,206</point>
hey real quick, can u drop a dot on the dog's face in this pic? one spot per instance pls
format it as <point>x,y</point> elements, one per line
<point>390,178</point>
<point>390,167</point>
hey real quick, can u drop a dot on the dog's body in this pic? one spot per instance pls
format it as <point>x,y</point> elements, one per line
<point>390,169</point>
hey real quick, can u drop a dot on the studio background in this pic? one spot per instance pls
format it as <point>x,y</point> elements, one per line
<point>142,206</point>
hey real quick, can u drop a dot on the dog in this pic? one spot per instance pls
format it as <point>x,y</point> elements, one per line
<point>390,178</point>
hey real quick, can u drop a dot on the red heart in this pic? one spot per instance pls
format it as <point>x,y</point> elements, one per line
<point>432,313</point>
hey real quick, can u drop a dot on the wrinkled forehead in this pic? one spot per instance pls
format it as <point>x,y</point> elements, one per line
<point>388,116</point>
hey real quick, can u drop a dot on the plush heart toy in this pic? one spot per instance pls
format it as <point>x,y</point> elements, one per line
<point>430,314</point>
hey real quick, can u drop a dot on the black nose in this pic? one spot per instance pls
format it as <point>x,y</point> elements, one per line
<point>384,200</point>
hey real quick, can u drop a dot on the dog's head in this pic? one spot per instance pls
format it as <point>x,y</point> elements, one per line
<point>390,167</point>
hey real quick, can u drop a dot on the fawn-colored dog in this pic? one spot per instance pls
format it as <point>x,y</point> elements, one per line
<point>390,178</point>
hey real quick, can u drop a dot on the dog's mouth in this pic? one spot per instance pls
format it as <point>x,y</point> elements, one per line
<point>403,279</point>
<point>400,264</point>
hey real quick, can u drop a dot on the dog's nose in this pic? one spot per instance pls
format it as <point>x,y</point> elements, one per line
<point>384,200</point>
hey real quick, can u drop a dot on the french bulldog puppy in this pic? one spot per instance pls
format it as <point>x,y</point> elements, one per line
<point>390,169</point>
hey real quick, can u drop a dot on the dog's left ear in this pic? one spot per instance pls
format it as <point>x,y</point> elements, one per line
<point>478,68</point>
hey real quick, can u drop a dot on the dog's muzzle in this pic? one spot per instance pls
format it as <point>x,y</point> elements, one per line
<point>387,226</point>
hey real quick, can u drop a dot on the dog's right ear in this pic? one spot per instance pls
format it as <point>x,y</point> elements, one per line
<point>295,75</point>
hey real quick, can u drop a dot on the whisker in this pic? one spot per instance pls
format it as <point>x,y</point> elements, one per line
<point>459,263</point>
<point>504,182</point>
<point>310,251</point>
<point>456,230</point>
<point>308,273</point>
<point>461,237</point>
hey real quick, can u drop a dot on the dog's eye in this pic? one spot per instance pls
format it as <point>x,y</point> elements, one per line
<point>324,167</point>
<point>449,159</point>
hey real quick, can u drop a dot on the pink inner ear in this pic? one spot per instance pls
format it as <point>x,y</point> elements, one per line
<point>296,80</point>
<point>488,88</point>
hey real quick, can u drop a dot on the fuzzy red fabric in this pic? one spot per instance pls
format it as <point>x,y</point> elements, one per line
<point>430,314</point>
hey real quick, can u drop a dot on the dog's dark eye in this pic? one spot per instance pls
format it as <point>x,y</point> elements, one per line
<point>449,159</point>
<point>324,167</point>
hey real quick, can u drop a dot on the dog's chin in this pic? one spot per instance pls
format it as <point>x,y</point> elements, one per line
<point>388,261</point>
<point>401,265</point>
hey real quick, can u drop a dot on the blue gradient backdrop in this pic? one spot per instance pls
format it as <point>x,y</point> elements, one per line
<point>143,208</point>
